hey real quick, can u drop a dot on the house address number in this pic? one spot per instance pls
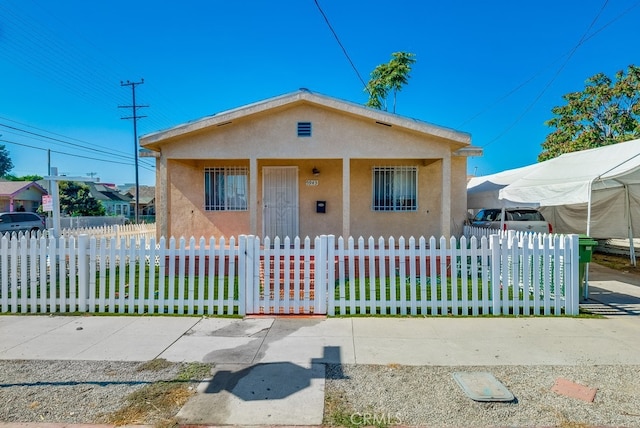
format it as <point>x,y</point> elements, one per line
<point>311,182</point>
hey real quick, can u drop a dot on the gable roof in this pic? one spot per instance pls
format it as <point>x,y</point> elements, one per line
<point>305,96</point>
<point>12,188</point>
<point>147,194</point>
<point>105,193</point>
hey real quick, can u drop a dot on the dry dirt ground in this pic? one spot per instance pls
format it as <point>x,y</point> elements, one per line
<point>621,263</point>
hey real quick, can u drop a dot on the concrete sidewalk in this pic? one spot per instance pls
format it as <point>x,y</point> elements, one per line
<point>271,370</point>
<point>611,292</point>
<point>407,341</point>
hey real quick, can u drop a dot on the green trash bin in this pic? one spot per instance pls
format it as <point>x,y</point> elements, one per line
<point>586,245</point>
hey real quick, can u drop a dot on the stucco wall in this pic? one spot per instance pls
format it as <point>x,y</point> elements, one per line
<point>334,136</point>
<point>458,194</point>
<point>270,139</point>
<point>424,222</point>
<point>187,216</point>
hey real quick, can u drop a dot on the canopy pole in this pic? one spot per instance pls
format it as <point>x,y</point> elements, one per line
<point>589,210</point>
<point>586,270</point>
<point>632,252</point>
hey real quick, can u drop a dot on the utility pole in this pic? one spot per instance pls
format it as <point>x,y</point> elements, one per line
<point>134,109</point>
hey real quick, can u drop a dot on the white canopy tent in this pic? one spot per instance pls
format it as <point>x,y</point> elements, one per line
<point>596,192</point>
<point>483,192</point>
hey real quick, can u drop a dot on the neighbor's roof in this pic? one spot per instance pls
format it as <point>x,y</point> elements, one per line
<point>12,188</point>
<point>105,193</point>
<point>304,95</point>
<point>147,194</point>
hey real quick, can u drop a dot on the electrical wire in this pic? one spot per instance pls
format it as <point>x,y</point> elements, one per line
<point>550,82</point>
<point>583,39</point>
<point>90,78</point>
<point>532,78</point>
<point>112,152</point>
<point>344,50</point>
<point>70,154</point>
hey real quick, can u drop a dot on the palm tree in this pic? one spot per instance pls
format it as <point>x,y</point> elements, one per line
<point>388,77</point>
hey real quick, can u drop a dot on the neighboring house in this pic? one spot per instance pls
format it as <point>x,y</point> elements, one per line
<point>146,203</point>
<point>20,196</point>
<point>114,202</point>
<point>305,164</point>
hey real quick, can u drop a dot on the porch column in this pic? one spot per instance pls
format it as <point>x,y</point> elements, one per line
<point>445,219</point>
<point>162,213</point>
<point>346,197</point>
<point>254,209</point>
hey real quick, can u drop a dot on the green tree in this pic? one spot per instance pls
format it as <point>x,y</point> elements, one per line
<point>389,78</point>
<point>76,200</point>
<point>5,161</point>
<point>32,177</point>
<point>606,112</point>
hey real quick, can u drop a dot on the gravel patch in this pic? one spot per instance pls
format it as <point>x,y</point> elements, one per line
<point>85,391</point>
<point>70,391</point>
<point>429,396</point>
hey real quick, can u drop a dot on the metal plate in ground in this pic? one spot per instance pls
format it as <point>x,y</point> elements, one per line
<point>482,386</point>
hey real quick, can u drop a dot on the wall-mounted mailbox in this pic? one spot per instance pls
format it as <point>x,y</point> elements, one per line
<point>321,206</point>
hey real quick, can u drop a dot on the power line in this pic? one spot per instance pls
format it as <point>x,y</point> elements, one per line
<point>68,154</point>
<point>65,142</point>
<point>568,54</point>
<point>555,76</point>
<point>90,78</point>
<point>523,84</point>
<point>344,50</point>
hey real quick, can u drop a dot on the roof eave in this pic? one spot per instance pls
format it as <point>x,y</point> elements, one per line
<point>150,141</point>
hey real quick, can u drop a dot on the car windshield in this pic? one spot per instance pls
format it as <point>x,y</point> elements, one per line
<point>487,215</point>
<point>524,215</point>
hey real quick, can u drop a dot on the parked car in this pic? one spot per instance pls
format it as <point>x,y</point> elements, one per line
<point>20,222</point>
<point>520,219</point>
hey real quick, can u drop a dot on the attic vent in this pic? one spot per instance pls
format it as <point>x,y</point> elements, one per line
<point>304,129</point>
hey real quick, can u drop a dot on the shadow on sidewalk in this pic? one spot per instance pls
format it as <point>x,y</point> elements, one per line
<point>270,381</point>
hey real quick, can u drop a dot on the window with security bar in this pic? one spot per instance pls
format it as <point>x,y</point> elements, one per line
<point>395,188</point>
<point>225,189</point>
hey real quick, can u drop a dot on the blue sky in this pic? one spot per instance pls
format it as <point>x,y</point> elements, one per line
<point>493,69</point>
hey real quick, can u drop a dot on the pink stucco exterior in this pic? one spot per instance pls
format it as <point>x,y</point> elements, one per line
<point>347,142</point>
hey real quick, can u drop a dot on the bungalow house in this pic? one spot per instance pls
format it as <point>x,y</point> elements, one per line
<point>146,203</point>
<point>114,202</point>
<point>20,196</point>
<point>305,164</point>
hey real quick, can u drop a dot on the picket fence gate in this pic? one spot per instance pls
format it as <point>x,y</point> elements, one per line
<point>503,274</point>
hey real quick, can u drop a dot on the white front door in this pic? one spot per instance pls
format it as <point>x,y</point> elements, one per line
<point>280,201</point>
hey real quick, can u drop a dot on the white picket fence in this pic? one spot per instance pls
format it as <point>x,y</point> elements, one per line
<point>127,231</point>
<point>508,274</point>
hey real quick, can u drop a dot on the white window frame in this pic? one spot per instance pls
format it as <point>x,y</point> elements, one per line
<point>394,188</point>
<point>232,182</point>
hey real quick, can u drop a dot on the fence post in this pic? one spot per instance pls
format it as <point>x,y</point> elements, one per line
<point>496,261</point>
<point>573,290</point>
<point>83,272</point>
<point>246,286</point>
<point>321,286</point>
<point>331,274</point>
<point>243,274</point>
